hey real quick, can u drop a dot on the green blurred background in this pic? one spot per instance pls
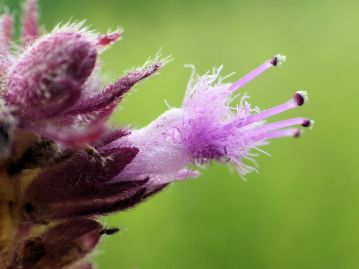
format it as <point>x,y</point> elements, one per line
<point>301,210</point>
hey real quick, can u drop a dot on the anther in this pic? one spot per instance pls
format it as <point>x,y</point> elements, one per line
<point>278,60</point>
<point>300,97</point>
<point>307,123</point>
<point>297,134</point>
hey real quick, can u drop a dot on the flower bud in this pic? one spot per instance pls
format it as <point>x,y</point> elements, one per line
<point>48,76</point>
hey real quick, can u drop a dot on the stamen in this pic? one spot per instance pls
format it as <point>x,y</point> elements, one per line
<point>277,125</point>
<point>290,132</point>
<point>290,104</point>
<point>275,61</point>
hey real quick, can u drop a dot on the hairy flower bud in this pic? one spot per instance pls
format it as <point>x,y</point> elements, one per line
<point>48,76</point>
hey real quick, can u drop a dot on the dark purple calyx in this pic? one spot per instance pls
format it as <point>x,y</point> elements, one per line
<point>62,246</point>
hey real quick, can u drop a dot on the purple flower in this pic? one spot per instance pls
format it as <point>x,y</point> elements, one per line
<point>208,128</point>
<point>61,166</point>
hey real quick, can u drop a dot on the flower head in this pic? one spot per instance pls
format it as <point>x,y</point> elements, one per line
<point>61,166</point>
<point>53,175</point>
<point>208,128</point>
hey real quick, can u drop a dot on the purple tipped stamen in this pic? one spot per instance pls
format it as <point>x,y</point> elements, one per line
<point>276,61</point>
<point>290,132</point>
<point>290,104</point>
<point>276,126</point>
